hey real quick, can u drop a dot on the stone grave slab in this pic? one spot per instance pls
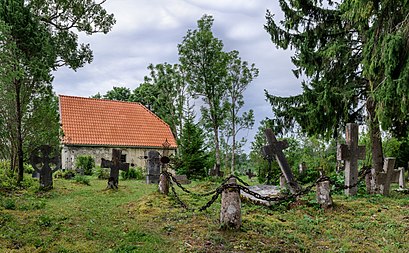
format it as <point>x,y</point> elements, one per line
<point>263,190</point>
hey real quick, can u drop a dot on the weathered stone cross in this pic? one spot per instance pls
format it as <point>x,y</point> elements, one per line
<point>351,153</point>
<point>153,167</point>
<point>46,172</point>
<point>115,165</point>
<point>275,149</point>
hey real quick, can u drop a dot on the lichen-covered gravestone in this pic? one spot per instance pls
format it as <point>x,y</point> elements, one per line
<point>351,153</point>
<point>45,161</point>
<point>115,165</point>
<point>153,167</point>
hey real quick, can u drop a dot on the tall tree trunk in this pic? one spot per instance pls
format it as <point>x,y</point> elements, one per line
<point>216,169</point>
<point>233,146</point>
<point>376,146</point>
<point>19,139</point>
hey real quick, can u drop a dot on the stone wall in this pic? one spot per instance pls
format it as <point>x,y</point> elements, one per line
<point>134,156</point>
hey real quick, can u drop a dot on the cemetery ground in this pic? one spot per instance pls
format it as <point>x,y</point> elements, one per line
<point>75,217</point>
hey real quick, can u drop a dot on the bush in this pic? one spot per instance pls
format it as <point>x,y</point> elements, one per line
<point>133,173</point>
<point>85,162</point>
<point>82,180</point>
<point>8,179</point>
<point>101,173</point>
<point>67,174</point>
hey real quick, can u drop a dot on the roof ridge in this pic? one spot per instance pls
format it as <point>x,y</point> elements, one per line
<point>100,99</point>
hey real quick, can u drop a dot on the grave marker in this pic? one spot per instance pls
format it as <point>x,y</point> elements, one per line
<point>41,155</point>
<point>323,194</point>
<point>153,167</point>
<point>275,149</point>
<point>115,165</point>
<point>385,177</point>
<point>351,153</point>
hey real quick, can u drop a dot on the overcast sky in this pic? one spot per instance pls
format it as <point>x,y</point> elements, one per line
<point>148,31</point>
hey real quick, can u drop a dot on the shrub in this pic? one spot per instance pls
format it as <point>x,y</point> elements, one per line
<point>101,173</point>
<point>85,162</point>
<point>133,173</point>
<point>67,174</point>
<point>82,180</point>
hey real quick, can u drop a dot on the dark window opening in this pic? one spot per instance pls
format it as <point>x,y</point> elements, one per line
<point>123,158</point>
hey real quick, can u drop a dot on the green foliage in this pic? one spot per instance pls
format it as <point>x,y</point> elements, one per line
<point>192,160</point>
<point>37,37</point>
<point>86,163</point>
<point>67,174</point>
<point>133,173</point>
<point>202,57</point>
<point>82,179</point>
<point>101,173</point>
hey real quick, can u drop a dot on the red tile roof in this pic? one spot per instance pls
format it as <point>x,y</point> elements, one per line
<point>88,121</point>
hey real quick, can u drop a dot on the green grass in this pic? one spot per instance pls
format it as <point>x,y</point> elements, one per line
<point>74,217</point>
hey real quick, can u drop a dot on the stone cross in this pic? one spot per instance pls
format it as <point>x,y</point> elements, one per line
<point>41,155</point>
<point>351,153</point>
<point>275,149</point>
<point>385,177</point>
<point>115,165</point>
<point>153,167</point>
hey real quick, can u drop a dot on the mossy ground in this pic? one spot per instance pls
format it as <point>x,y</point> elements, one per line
<point>136,218</point>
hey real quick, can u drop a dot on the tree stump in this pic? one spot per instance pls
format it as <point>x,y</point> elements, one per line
<point>230,213</point>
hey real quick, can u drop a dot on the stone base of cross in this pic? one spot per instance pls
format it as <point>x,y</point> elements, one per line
<point>350,153</point>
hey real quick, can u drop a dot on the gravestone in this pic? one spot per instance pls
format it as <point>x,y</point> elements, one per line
<point>182,179</point>
<point>275,149</point>
<point>351,153</point>
<point>153,167</point>
<point>264,191</point>
<point>283,183</point>
<point>42,155</point>
<point>302,168</point>
<point>385,177</point>
<point>115,165</point>
<point>230,212</point>
<point>323,194</point>
<point>250,174</point>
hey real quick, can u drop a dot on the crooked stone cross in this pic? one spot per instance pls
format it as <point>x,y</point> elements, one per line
<point>115,165</point>
<point>275,149</point>
<point>41,155</point>
<point>351,153</point>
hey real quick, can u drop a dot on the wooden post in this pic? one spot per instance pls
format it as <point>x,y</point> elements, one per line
<point>275,148</point>
<point>163,184</point>
<point>351,153</point>
<point>230,212</point>
<point>384,178</point>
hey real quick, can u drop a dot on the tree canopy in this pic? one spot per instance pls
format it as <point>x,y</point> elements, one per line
<point>353,57</point>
